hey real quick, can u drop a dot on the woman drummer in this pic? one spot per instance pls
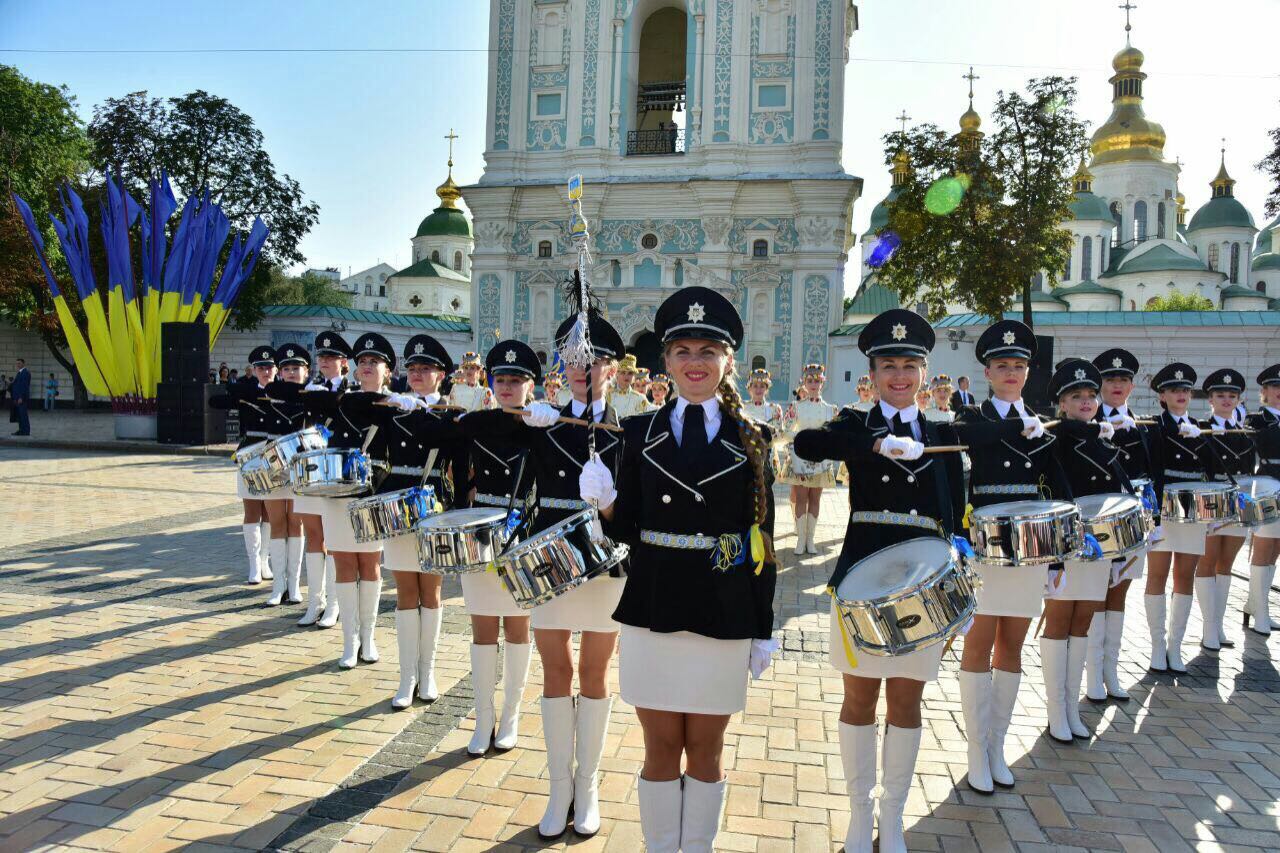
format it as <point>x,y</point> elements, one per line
<point>1230,456</point>
<point>659,387</point>
<point>1266,539</point>
<point>1021,468</point>
<point>758,408</point>
<point>557,455</point>
<point>244,396</point>
<point>809,412</point>
<point>697,610</point>
<point>1092,466</point>
<point>1178,456</point>
<point>1102,661</point>
<point>896,494</point>
<point>501,477</point>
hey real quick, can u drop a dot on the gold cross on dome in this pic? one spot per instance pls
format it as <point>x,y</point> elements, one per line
<point>904,118</point>
<point>451,136</point>
<point>1128,7</point>
<point>970,77</point>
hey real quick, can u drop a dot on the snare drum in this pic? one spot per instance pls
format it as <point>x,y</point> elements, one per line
<point>332,473</point>
<point>391,514</point>
<point>1199,503</point>
<point>1259,501</point>
<point>906,598</point>
<point>268,470</point>
<point>461,540</point>
<point>1026,533</point>
<point>1118,522</point>
<point>558,560</point>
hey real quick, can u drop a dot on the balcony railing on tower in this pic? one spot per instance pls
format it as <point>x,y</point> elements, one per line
<point>653,142</point>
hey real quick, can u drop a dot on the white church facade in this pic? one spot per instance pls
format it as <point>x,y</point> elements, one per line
<point>710,147</point>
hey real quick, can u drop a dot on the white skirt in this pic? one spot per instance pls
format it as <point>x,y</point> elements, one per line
<point>400,553</point>
<point>918,666</point>
<point>682,672</point>
<point>1083,580</point>
<point>307,505</point>
<point>484,594</point>
<point>284,493</point>
<point>1134,570</point>
<point>1011,590</point>
<point>1268,531</point>
<point>339,535</point>
<point>1237,530</point>
<point>1181,537</point>
<point>587,608</point>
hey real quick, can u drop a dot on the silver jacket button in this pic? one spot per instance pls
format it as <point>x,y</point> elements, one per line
<point>666,499</point>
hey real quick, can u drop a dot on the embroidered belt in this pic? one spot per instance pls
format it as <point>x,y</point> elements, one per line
<point>561,503</point>
<point>900,518</point>
<point>410,471</point>
<point>493,500</point>
<point>1019,489</point>
<point>1271,461</point>
<point>253,433</point>
<point>1184,475</point>
<point>686,541</point>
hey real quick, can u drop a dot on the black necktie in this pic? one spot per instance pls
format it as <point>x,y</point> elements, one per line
<point>693,439</point>
<point>901,429</point>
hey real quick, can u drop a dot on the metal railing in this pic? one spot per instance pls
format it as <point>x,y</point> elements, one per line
<point>643,143</point>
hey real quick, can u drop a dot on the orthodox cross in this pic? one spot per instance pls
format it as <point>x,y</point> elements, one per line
<point>1128,7</point>
<point>904,118</point>
<point>451,136</point>
<point>970,77</point>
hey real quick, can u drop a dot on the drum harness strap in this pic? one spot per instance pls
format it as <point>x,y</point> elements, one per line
<point>257,433</point>
<point>411,471</point>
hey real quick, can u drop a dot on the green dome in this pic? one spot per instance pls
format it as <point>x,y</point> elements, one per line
<point>1269,261</point>
<point>1221,212</point>
<point>1263,243</point>
<point>1084,287</point>
<point>445,222</point>
<point>1088,207</point>
<point>880,214</point>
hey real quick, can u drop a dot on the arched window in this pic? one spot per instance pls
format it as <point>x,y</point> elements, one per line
<point>544,249</point>
<point>382,290</point>
<point>1139,221</point>
<point>757,363</point>
<point>435,256</point>
<point>1037,281</point>
<point>368,289</point>
<point>1086,260</point>
<point>1115,217</point>
<point>457,261</point>
<point>1235,263</point>
<point>1261,287</point>
<point>1066,269</point>
<point>1160,221</point>
<point>760,249</point>
<point>1213,256</point>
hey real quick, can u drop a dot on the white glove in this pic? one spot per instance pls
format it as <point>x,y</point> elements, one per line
<point>1189,430</point>
<point>901,447</point>
<point>541,415</point>
<point>1106,430</point>
<point>403,402</point>
<point>1032,428</point>
<point>595,483</point>
<point>1124,422</point>
<point>761,655</point>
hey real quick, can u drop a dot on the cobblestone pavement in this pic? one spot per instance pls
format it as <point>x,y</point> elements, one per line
<point>148,701</point>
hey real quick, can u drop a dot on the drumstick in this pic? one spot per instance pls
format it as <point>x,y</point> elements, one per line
<point>1230,431</point>
<point>368,438</point>
<point>575,421</point>
<point>943,448</point>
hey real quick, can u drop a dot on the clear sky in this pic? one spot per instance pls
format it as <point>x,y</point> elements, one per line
<point>364,131</point>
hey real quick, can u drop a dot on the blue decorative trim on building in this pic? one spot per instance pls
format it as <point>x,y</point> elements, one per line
<point>522,243</point>
<point>782,345</point>
<point>822,72</point>
<point>590,69</point>
<point>785,238</point>
<point>772,127</point>
<point>817,296</point>
<point>489,305</point>
<point>622,236</point>
<point>502,89</point>
<point>724,69</point>
<point>520,305</point>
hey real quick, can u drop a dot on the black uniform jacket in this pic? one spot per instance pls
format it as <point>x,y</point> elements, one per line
<point>1175,459</point>
<point>494,463</point>
<point>1234,454</point>
<point>1092,465</point>
<point>999,469</point>
<point>675,589</point>
<point>1266,439</point>
<point>1134,446</point>
<point>259,420</point>
<point>931,486</point>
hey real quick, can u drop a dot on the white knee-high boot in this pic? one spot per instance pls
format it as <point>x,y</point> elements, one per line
<point>1258,607</point>
<point>858,755</point>
<point>1111,656</point>
<point>1004,695</point>
<point>1156,613</point>
<point>1207,598</point>
<point>660,807</point>
<point>592,728</point>
<point>407,641</point>
<point>1223,595</point>
<point>901,746</point>
<point>330,616</point>
<point>975,702</point>
<point>429,621</point>
<point>811,530</point>
<point>558,727</point>
<point>294,560</point>
<point>1077,648</point>
<point>515,672</point>
<point>1178,615</point>
<point>315,589</point>
<point>700,815</point>
<point>484,673</point>
<point>1053,663</point>
<point>370,595</point>
<point>802,521</point>
<point>1095,688</point>
<point>264,551</point>
<point>252,542</point>
<point>280,575</point>
<point>348,599</point>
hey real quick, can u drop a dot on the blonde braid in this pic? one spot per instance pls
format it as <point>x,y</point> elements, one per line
<point>757,452</point>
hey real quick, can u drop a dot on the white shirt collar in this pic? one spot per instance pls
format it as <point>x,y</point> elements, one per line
<point>1110,411</point>
<point>1223,423</point>
<point>907,415</point>
<point>597,408</point>
<point>1272,410</point>
<point>710,416</point>
<point>431,399</point>
<point>1002,406</point>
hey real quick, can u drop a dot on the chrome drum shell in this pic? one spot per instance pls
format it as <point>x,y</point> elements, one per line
<point>1026,533</point>
<point>461,541</point>
<point>332,473</point>
<point>557,560</point>
<point>1259,500</point>
<point>1118,522</point>
<point>392,514</point>
<point>1199,503</point>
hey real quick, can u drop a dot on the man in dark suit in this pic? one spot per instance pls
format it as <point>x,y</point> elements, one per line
<point>21,392</point>
<point>962,397</point>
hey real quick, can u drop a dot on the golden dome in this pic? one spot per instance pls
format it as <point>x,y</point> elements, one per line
<point>448,191</point>
<point>1128,134</point>
<point>1129,59</point>
<point>970,121</point>
<point>901,160</point>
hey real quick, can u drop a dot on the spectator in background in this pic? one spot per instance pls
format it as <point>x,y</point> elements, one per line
<point>20,389</point>
<point>4,387</point>
<point>232,377</point>
<point>223,372</point>
<point>962,397</point>
<point>50,392</point>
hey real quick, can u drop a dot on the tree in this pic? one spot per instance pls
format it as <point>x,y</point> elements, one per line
<point>1270,165</point>
<point>205,141</point>
<point>42,144</point>
<point>979,218</point>
<point>306,289</point>
<point>1180,302</point>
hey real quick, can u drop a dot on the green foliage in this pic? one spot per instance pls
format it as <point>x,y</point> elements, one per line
<point>1180,302</point>
<point>1270,166</point>
<point>1006,226</point>
<point>306,289</point>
